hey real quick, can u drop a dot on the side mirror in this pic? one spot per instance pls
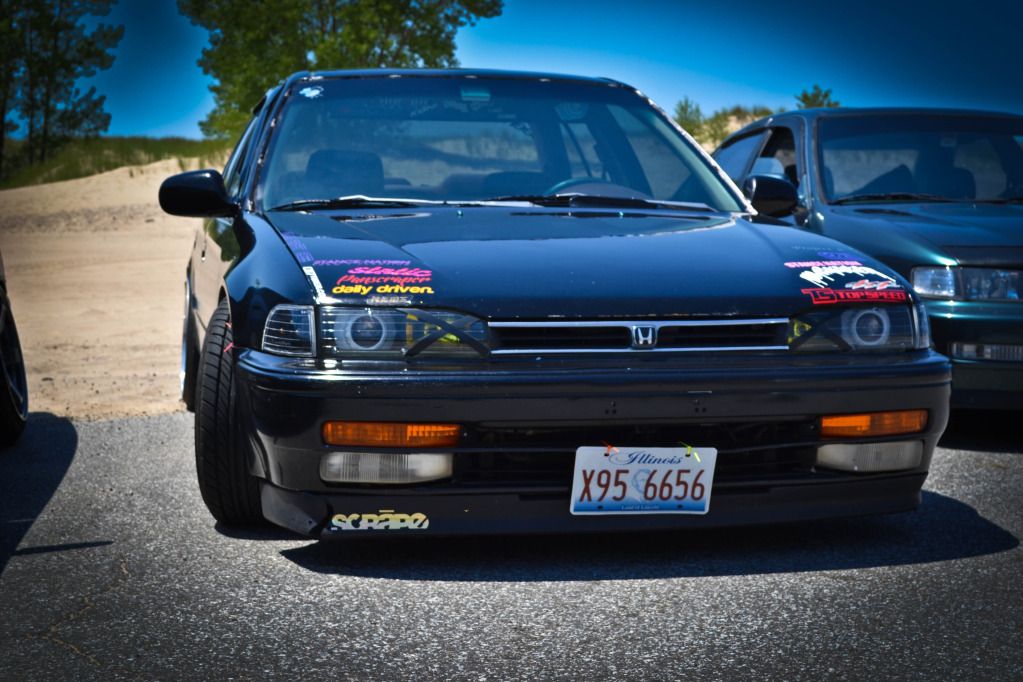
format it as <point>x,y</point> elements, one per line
<point>771,195</point>
<point>196,194</point>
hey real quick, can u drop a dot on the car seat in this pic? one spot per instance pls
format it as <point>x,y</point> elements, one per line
<point>342,172</point>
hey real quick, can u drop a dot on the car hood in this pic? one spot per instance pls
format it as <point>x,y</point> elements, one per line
<point>508,263</point>
<point>971,233</point>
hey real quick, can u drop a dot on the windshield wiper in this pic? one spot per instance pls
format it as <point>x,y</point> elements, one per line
<point>354,201</point>
<point>601,200</point>
<point>891,196</point>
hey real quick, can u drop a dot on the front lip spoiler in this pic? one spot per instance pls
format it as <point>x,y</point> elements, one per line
<point>309,514</point>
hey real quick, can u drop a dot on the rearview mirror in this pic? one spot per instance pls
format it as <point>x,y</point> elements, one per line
<point>771,195</point>
<point>196,194</point>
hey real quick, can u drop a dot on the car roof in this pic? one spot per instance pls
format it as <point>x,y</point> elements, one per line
<point>449,73</point>
<point>810,115</point>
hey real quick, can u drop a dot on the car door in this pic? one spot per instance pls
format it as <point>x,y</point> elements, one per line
<point>737,154</point>
<point>780,157</point>
<point>219,246</point>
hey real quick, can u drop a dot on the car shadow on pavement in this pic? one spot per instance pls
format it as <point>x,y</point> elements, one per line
<point>30,473</point>
<point>984,430</point>
<point>942,529</point>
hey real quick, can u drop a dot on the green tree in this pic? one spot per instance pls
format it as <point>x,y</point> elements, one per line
<point>255,44</point>
<point>57,51</point>
<point>10,67</point>
<point>689,116</point>
<point>816,98</point>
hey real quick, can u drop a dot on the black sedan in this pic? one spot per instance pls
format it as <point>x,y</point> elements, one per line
<point>937,195</point>
<point>489,302</point>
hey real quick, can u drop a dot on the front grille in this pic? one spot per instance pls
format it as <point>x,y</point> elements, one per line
<point>560,338</point>
<point>748,452</point>
<point>717,336</point>
<point>604,336</point>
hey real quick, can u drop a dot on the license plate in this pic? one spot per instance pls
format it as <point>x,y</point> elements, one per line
<point>610,480</point>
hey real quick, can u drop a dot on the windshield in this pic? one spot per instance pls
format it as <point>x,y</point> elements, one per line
<point>922,157</point>
<point>463,138</point>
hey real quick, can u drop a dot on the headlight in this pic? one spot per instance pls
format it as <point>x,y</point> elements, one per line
<point>992,284</point>
<point>887,328</point>
<point>969,284</point>
<point>934,282</point>
<point>381,332</point>
<point>289,331</point>
<point>923,327</point>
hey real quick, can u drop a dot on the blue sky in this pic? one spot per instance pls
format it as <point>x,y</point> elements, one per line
<point>871,53</point>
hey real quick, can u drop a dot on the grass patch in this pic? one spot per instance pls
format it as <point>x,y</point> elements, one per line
<point>80,158</point>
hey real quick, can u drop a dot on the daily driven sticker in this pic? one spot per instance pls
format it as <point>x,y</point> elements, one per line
<point>365,280</point>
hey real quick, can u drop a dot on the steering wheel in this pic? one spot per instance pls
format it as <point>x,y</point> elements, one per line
<point>595,186</point>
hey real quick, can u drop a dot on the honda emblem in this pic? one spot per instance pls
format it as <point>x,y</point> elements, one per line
<point>644,337</point>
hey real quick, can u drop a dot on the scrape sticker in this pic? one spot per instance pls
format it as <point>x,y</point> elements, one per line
<point>311,92</point>
<point>385,519</point>
<point>832,296</point>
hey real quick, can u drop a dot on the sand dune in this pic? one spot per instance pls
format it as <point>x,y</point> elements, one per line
<point>95,272</point>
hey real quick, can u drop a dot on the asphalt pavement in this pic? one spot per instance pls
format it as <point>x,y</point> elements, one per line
<point>112,569</point>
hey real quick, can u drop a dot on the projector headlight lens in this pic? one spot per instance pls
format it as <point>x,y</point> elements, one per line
<point>391,332</point>
<point>887,328</point>
<point>866,328</point>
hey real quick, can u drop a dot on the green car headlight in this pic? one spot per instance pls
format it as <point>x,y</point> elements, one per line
<point>969,283</point>
<point>934,282</point>
<point>394,332</point>
<point>992,284</point>
<point>881,328</point>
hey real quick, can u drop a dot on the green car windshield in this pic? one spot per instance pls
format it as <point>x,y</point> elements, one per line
<point>921,157</point>
<point>473,138</point>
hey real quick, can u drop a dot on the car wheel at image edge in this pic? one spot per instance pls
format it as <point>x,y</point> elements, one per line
<point>189,353</point>
<point>14,394</point>
<point>229,491</point>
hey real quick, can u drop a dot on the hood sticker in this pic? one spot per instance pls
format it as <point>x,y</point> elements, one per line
<point>859,283</point>
<point>385,519</point>
<point>831,296</point>
<point>359,261</point>
<point>362,281</point>
<point>298,247</point>
<point>824,275</point>
<point>321,295</point>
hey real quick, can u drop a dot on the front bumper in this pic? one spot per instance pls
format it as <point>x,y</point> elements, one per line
<point>982,384</point>
<point>554,408</point>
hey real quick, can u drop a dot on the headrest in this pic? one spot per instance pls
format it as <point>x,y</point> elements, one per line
<point>346,171</point>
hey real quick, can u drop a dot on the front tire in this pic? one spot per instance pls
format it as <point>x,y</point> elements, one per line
<point>14,388</point>
<point>230,492</point>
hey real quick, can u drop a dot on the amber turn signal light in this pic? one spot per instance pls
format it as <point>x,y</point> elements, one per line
<point>873,424</point>
<point>391,435</point>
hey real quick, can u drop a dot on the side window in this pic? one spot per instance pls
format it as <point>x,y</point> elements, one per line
<point>778,157</point>
<point>734,158</point>
<point>233,169</point>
